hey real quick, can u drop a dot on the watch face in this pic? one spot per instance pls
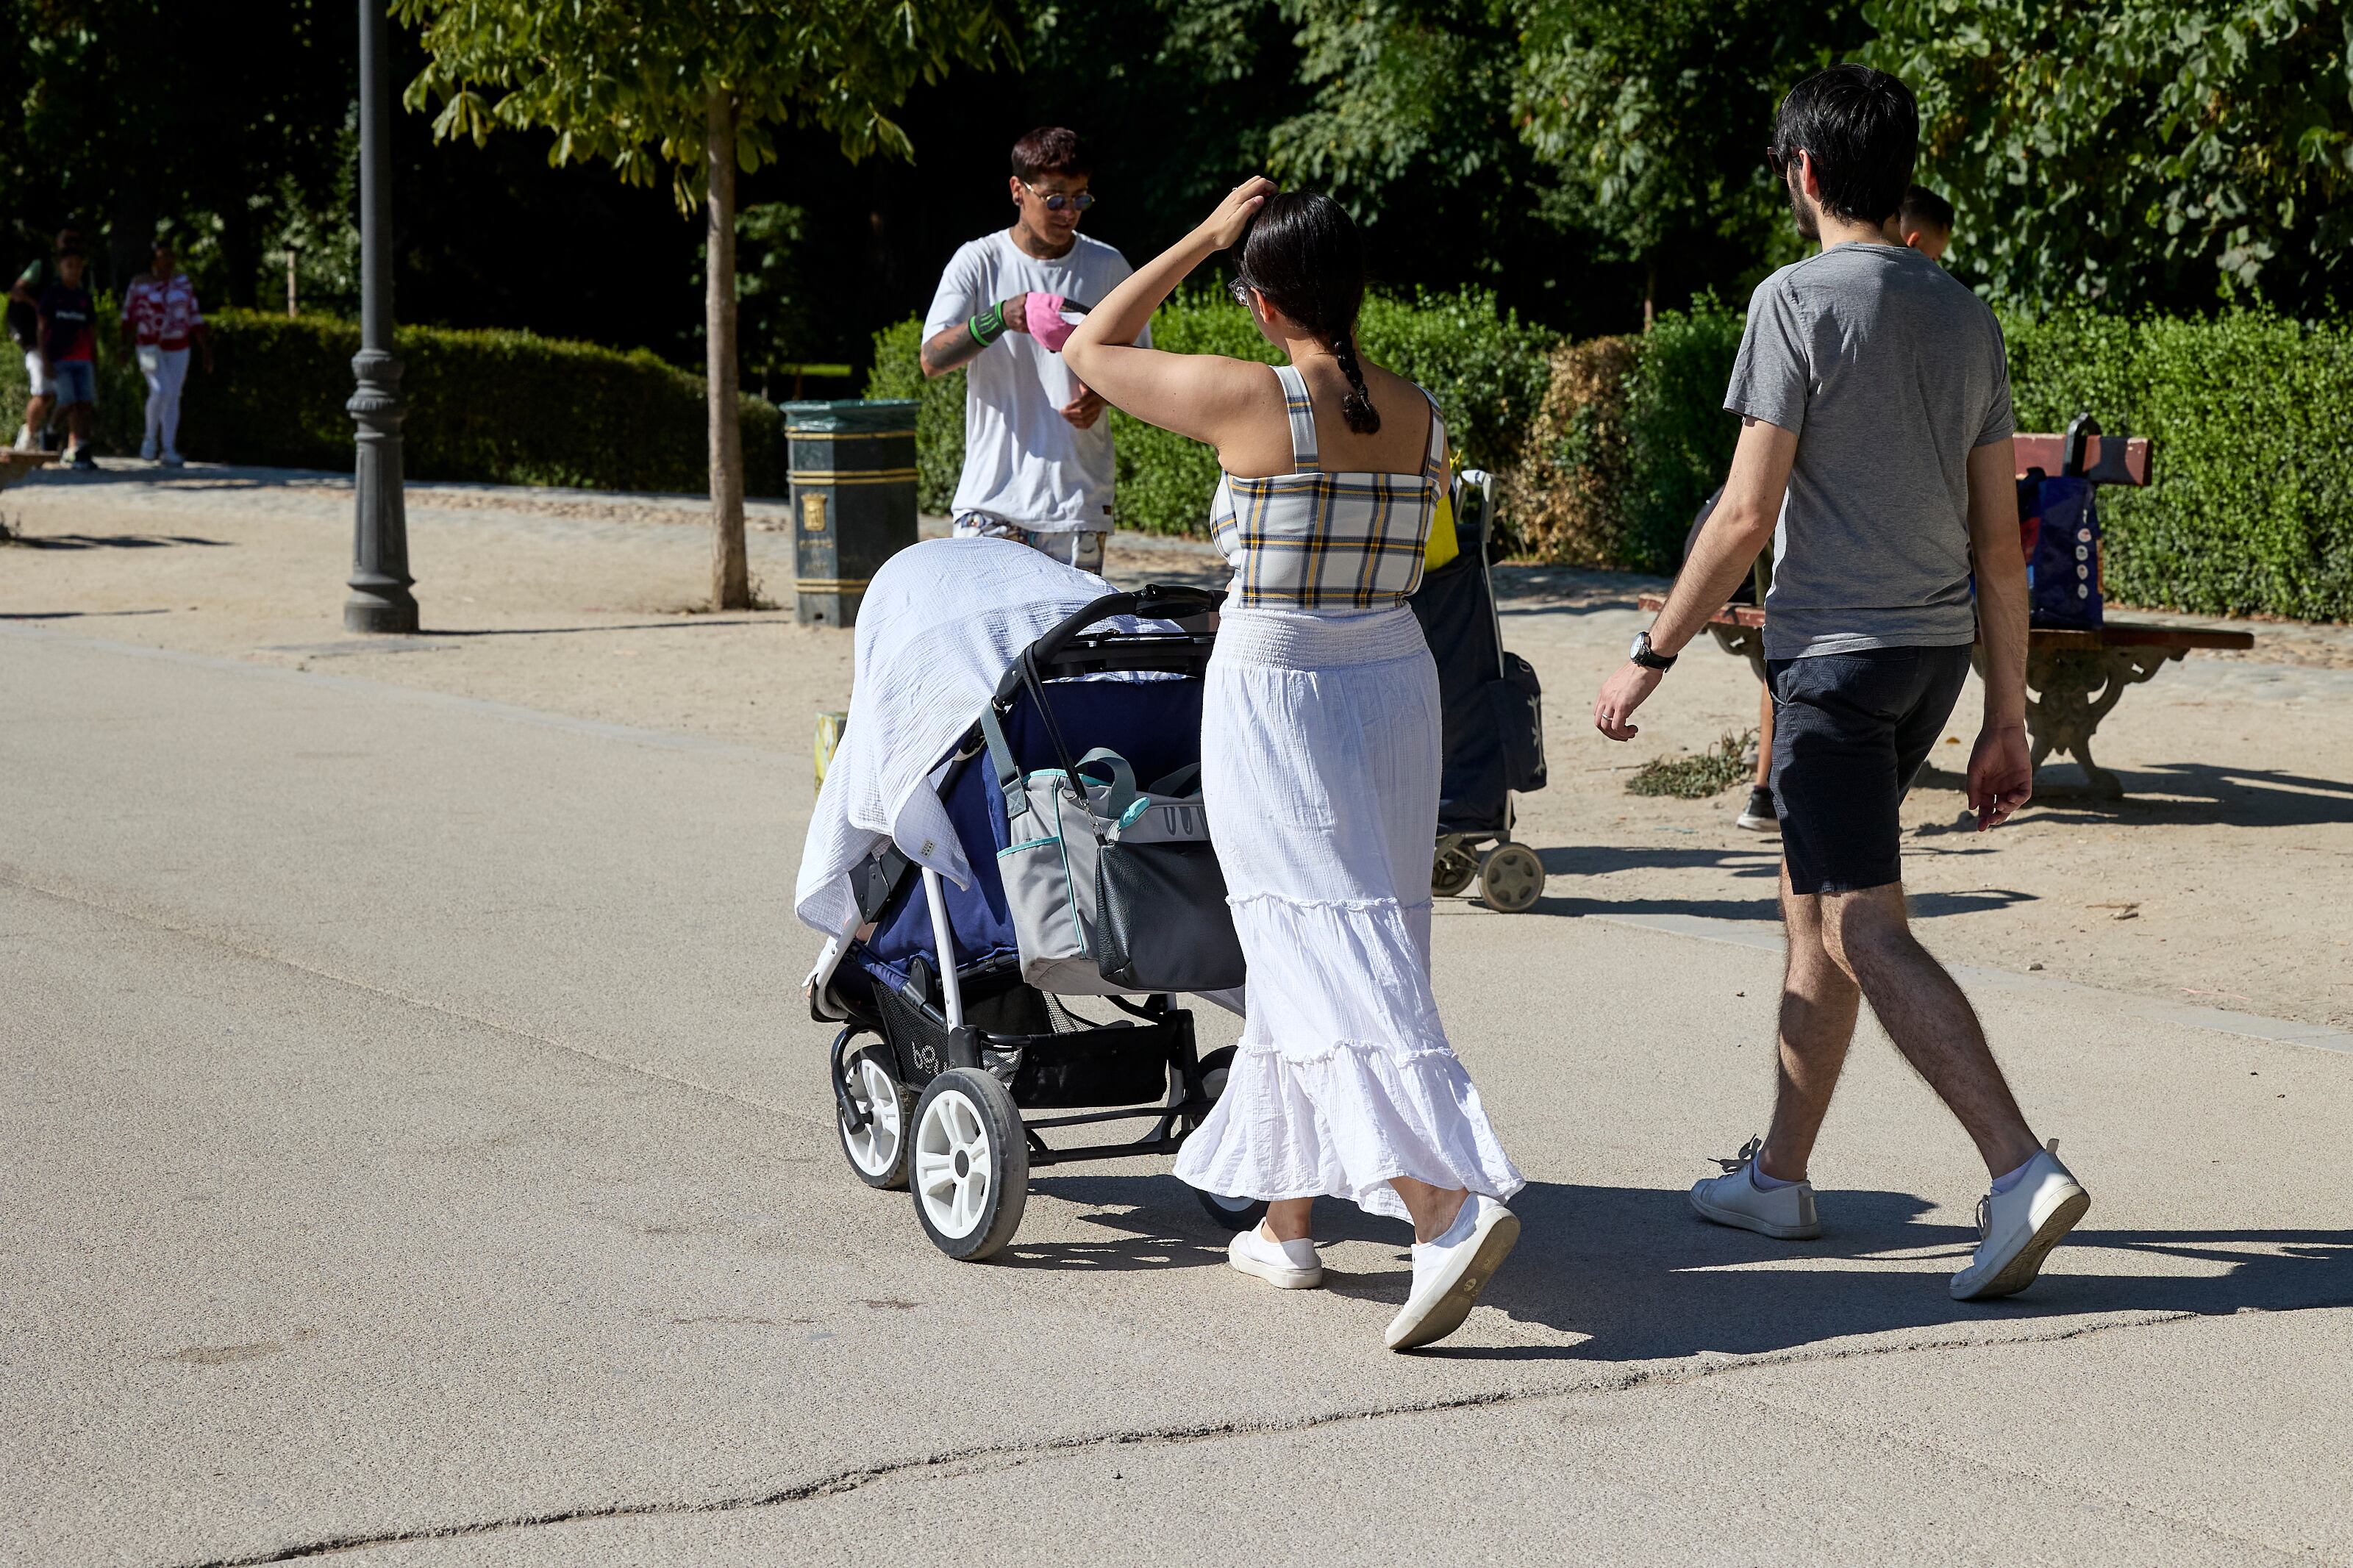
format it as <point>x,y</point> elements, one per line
<point>1641,646</point>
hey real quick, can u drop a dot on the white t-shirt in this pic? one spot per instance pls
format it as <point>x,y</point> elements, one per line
<point>1023,463</point>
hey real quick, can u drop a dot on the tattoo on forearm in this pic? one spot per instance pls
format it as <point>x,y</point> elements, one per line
<point>948,349</point>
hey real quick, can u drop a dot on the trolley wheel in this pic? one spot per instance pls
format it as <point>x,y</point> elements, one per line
<point>1230,1214</point>
<point>877,1151</point>
<point>1513,880</point>
<point>1454,868</point>
<point>969,1164</point>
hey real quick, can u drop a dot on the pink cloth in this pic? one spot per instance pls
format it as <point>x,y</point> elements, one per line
<point>1046,325</point>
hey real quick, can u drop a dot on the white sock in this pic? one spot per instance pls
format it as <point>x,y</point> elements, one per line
<point>2003,1182</point>
<point>1765,1183</point>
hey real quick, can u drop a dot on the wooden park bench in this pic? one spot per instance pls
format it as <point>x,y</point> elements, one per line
<point>2074,678</point>
<point>16,465</point>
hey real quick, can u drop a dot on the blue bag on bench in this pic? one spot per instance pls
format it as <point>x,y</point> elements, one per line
<point>2058,525</point>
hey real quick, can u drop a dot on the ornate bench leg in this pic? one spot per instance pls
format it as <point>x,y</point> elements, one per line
<point>2072,689</point>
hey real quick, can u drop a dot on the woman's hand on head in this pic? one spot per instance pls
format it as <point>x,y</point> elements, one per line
<point>1224,226</point>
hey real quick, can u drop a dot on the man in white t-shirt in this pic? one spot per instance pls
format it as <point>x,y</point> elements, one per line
<point>1037,447</point>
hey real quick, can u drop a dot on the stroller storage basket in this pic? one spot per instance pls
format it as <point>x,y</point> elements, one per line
<point>1044,1067</point>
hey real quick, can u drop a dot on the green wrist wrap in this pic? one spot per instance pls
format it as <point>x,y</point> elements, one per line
<point>988,326</point>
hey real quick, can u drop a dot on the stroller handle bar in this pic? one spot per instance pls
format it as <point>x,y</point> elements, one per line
<point>1156,602</point>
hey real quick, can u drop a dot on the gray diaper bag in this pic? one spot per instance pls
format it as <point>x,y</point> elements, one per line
<point>1072,848</point>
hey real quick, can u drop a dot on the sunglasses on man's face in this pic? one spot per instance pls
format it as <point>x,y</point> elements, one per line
<point>1056,201</point>
<point>1780,162</point>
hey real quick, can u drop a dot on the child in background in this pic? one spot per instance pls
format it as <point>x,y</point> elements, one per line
<point>68,351</point>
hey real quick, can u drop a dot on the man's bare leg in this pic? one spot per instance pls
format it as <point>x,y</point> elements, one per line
<point>1819,1003</point>
<point>1867,935</point>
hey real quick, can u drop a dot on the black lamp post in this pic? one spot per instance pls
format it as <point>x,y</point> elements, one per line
<point>380,600</point>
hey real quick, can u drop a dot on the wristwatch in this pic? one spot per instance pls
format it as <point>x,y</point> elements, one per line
<point>1643,655</point>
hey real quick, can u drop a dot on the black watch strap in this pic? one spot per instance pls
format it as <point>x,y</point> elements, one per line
<point>1648,657</point>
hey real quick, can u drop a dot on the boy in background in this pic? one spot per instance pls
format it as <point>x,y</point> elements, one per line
<point>65,361</point>
<point>1037,449</point>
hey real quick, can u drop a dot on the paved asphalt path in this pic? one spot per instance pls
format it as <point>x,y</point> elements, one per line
<point>412,1150</point>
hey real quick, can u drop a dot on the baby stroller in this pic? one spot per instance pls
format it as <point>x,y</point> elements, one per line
<point>965,1047</point>
<point>1494,716</point>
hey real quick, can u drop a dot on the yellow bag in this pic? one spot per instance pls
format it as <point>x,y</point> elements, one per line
<point>1443,546</point>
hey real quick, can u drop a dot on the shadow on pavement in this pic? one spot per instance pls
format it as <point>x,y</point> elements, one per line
<point>110,540</point>
<point>1640,1277</point>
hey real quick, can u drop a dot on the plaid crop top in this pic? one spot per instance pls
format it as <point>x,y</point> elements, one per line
<point>1309,539</point>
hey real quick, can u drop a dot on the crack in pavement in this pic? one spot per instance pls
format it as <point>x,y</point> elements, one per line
<point>1012,1455</point>
<point>14,877</point>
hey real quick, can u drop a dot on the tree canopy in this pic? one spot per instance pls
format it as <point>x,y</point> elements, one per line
<point>2137,151</point>
<point>631,84</point>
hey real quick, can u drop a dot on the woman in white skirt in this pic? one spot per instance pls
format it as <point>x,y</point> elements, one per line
<point>1320,752</point>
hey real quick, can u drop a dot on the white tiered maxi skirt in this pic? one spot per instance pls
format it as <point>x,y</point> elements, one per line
<point>1320,757</point>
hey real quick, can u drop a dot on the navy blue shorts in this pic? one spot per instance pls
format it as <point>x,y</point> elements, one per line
<point>1850,732</point>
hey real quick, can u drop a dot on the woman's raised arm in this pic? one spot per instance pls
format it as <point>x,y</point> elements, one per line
<point>1193,394</point>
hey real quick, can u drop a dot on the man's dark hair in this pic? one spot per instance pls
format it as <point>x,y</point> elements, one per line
<point>1863,130</point>
<point>1924,208</point>
<point>1303,253</point>
<point>1048,149</point>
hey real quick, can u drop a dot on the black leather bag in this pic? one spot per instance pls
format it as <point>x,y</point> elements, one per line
<point>1162,923</point>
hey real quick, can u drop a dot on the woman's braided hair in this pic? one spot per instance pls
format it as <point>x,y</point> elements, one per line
<point>1303,253</point>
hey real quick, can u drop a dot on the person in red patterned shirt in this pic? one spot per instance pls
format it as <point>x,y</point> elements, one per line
<point>161,319</point>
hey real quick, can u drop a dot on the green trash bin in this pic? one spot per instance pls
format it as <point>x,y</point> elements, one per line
<point>852,468</point>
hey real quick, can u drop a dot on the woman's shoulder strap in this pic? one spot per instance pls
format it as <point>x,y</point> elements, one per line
<point>1433,459</point>
<point>1301,414</point>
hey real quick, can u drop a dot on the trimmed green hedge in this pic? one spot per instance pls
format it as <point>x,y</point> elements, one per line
<point>2250,504</point>
<point>1485,367</point>
<point>2249,510</point>
<point>497,406</point>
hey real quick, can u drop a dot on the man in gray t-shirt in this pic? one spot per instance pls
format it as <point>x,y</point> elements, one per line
<point>1875,452</point>
<point>1891,373</point>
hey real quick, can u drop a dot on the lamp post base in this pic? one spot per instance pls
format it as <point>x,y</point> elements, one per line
<point>391,611</point>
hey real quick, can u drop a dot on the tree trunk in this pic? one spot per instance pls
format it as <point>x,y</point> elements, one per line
<point>730,584</point>
<point>1650,294</point>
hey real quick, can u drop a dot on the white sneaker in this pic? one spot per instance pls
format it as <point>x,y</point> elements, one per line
<point>147,450</point>
<point>1786,1214</point>
<point>2020,1228</point>
<point>1448,1276</point>
<point>1285,1265</point>
<point>173,461</point>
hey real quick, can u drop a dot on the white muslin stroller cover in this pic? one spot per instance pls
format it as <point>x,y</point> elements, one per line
<point>940,625</point>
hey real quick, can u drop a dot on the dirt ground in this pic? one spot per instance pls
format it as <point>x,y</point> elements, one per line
<point>2225,878</point>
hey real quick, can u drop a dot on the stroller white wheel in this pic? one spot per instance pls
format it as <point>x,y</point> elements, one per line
<point>878,1150</point>
<point>969,1164</point>
<point>1513,880</point>
<point>1452,868</point>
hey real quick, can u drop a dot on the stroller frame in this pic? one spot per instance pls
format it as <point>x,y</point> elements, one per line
<point>974,1033</point>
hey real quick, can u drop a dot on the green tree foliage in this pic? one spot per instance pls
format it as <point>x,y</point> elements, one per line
<point>1656,117</point>
<point>694,91</point>
<point>200,116</point>
<point>2134,151</point>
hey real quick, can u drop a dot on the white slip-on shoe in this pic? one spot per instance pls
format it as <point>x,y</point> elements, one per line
<point>1447,1279</point>
<point>1786,1214</point>
<point>1285,1265</point>
<point>2020,1226</point>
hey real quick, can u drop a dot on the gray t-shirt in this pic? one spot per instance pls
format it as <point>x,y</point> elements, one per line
<point>1890,373</point>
